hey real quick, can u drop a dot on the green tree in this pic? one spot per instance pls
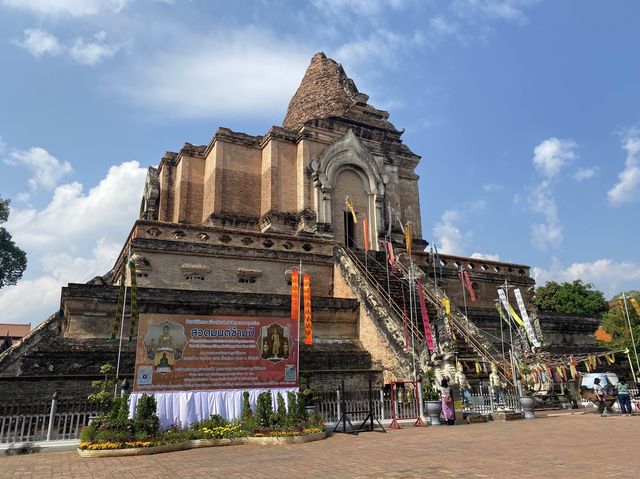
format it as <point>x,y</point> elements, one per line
<point>13,261</point>
<point>615,323</point>
<point>571,298</point>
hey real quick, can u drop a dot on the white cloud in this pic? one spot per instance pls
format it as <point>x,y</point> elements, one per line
<point>491,187</point>
<point>93,52</point>
<point>74,238</point>
<point>73,214</point>
<point>449,236</point>
<point>544,235</point>
<point>245,72</point>
<point>3,145</point>
<point>505,10</point>
<point>67,8</point>
<point>626,189</point>
<point>582,174</point>
<point>38,42</point>
<point>607,275</point>
<point>552,155</point>
<point>47,170</point>
<point>489,257</point>
<point>366,8</point>
<point>90,52</point>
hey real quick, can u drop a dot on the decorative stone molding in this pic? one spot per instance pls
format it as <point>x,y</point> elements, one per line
<point>195,271</point>
<point>248,275</point>
<point>151,195</point>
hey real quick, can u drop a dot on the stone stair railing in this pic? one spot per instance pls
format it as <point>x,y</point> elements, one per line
<point>464,327</point>
<point>387,316</point>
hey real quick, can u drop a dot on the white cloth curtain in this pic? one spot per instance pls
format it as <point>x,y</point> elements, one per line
<point>184,408</point>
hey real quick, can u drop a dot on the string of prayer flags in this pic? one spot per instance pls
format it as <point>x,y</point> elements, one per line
<point>351,210</point>
<point>635,304</point>
<point>525,317</point>
<point>120,307</point>
<point>365,233</point>
<point>306,301</point>
<point>408,238</point>
<point>466,281</point>
<point>425,318</point>
<point>134,300</point>
<point>295,295</point>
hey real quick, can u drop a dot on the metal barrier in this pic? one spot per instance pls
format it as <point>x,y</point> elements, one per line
<point>44,421</point>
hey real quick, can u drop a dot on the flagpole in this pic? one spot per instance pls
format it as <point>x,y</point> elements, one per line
<point>300,315</point>
<point>513,371</point>
<point>464,296</point>
<point>386,252</point>
<point>124,308</point>
<point>626,310</point>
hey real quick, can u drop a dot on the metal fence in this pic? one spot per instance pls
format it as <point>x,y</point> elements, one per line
<point>20,422</point>
<point>356,404</point>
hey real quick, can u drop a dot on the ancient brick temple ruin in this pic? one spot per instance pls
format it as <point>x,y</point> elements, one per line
<point>222,225</point>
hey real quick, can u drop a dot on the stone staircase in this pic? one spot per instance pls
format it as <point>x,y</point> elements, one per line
<point>469,342</point>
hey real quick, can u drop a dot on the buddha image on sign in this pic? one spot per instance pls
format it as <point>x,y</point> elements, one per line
<point>274,342</point>
<point>164,343</point>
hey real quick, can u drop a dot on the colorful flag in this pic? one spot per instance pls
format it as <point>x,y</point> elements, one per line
<point>408,238</point>
<point>525,317</point>
<point>306,301</point>
<point>365,232</point>
<point>507,307</point>
<point>351,210</point>
<point>392,258</point>
<point>425,318</point>
<point>636,306</point>
<point>295,296</point>
<point>466,281</point>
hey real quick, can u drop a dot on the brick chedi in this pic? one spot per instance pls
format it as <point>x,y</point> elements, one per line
<point>222,225</point>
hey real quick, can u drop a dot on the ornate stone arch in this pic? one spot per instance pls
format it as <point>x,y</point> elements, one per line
<point>349,152</point>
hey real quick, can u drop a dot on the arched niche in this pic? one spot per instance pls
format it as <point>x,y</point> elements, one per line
<point>341,165</point>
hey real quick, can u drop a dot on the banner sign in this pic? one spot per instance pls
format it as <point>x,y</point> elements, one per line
<point>507,307</point>
<point>177,352</point>
<point>306,300</point>
<point>525,317</point>
<point>466,281</point>
<point>295,295</point>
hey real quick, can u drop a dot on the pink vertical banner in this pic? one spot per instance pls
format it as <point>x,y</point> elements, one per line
<point>425,318</point>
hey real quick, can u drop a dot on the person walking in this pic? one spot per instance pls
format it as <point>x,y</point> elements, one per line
<point>623,397</point>
<point>448,411</point>
<point>600,394</point>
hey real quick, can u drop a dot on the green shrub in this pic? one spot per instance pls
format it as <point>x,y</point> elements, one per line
<point>264,409</point>
<point>216,420</point>
<point>118,417</point>
<point>295,409</point>
<point>88,433</point>
<point>282,410</point>
<point>246,406</point>
<point>146,420</point>
<point>111,435</point>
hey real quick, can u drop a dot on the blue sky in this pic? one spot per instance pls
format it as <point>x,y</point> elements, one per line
<point>526,114</point>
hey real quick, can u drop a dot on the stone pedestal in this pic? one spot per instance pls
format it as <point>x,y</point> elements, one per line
<point>506,415</point>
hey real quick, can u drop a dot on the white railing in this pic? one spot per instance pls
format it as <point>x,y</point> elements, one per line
<point>19,426</point>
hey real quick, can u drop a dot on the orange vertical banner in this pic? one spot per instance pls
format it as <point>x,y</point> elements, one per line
<point>365,231</point>
<point>295,295</point>
<point>306,300</point>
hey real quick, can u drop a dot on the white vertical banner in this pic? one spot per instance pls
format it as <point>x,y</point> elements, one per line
<point>525,317</point>
<point>503,300</point>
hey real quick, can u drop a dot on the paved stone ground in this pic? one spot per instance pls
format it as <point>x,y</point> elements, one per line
<point>580,446</point>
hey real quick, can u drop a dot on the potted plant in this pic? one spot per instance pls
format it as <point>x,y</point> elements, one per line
<point>526,399</point>
<point>311,399</point>
<point>431,398</point>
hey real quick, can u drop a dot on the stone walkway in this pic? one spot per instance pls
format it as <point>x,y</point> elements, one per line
<point>570,446</point>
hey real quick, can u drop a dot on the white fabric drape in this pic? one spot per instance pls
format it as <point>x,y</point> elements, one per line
<point>184,408</point>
